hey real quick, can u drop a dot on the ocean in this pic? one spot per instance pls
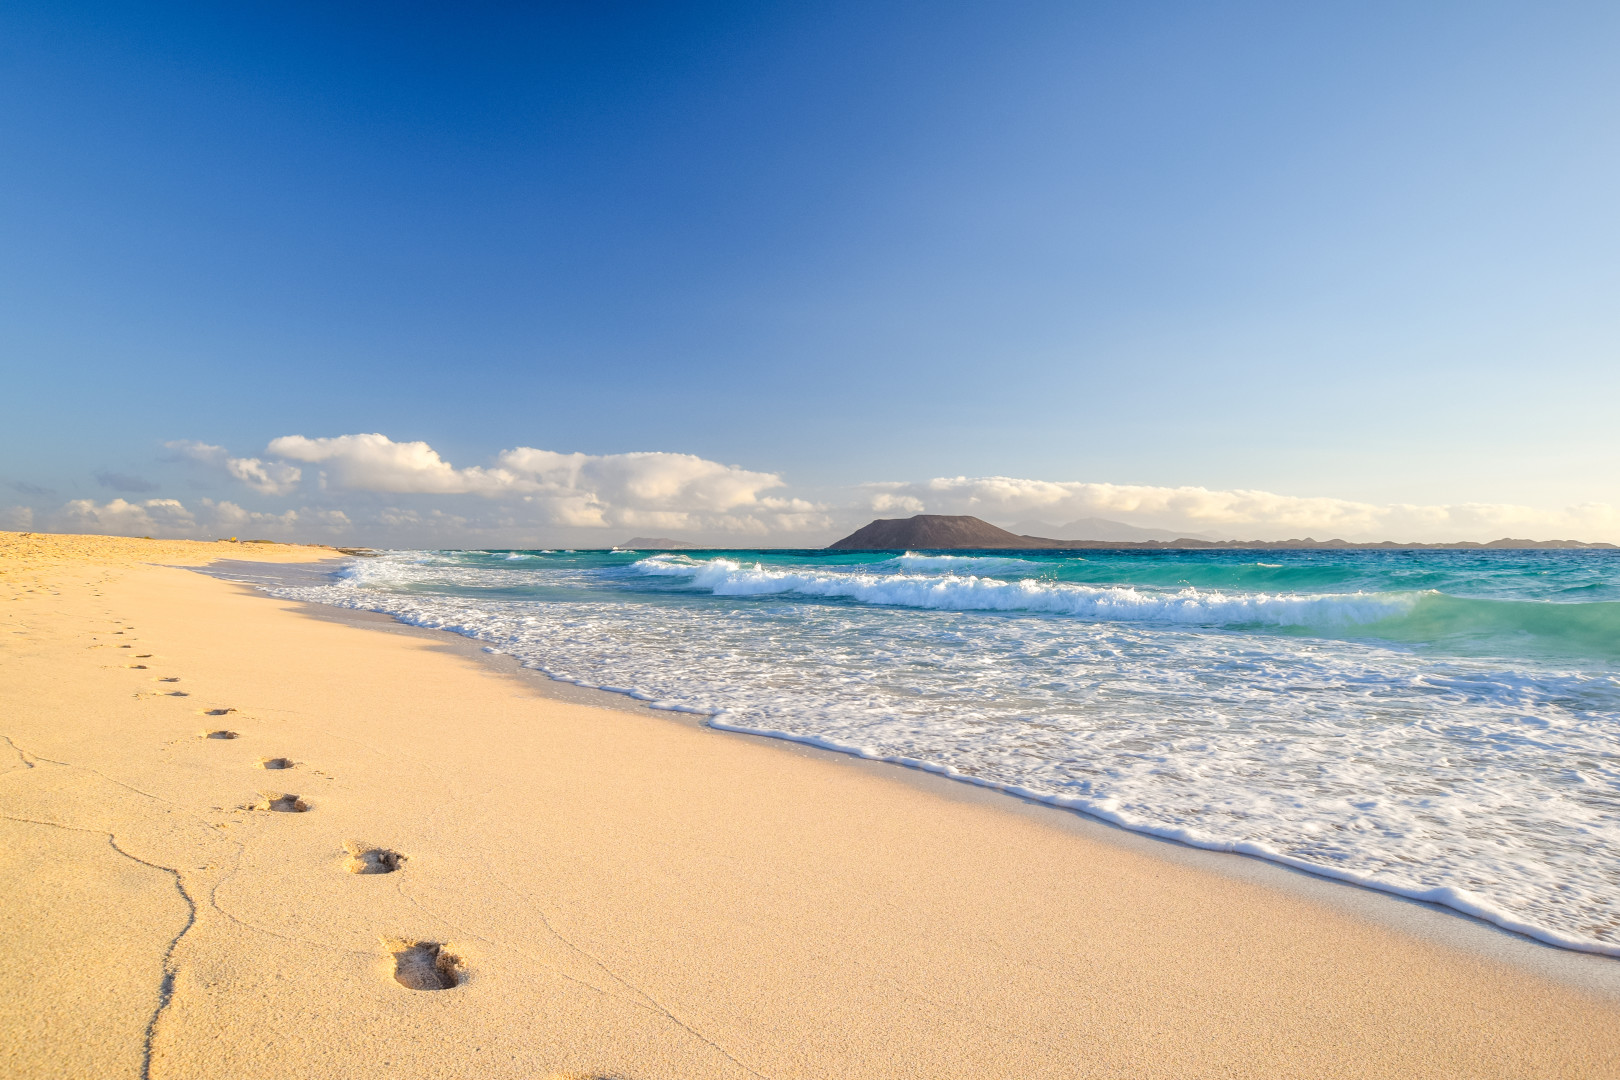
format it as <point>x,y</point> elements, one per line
<point>1444,725</point>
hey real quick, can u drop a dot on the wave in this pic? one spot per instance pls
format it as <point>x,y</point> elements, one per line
<point>727,577</point>
<point>1590,629</point>
<point>1584,629</point>
<point>959,564</point>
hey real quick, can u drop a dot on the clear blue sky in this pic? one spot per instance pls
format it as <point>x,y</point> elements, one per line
<point>1365,251</point>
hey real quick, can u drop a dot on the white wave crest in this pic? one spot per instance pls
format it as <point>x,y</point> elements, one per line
<point>952,592</point>
<point>669,565</point>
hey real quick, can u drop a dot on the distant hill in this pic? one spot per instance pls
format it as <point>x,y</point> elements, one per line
<point>657,543</point>
<point>934,532</point>
<point>1101,529</point>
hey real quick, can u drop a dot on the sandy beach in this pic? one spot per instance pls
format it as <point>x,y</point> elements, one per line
<point>547,887</point>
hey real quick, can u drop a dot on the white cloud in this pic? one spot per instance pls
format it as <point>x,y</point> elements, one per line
<point>1256,515</point>
<point>887,502</point>
<point>154,517</point>
<point>267,478</point>
<point>192,450</point>
<point>170,518</point>
<point>227,515</point>
<point>272,478</point>
<point>651,490</point>
<point>377,463</point>
<point>635,490</point>
<point>17,518</point>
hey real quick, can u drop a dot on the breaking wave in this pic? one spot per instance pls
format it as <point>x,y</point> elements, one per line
<point>972,592</point>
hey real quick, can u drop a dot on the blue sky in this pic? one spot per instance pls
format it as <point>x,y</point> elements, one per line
<point>1249,269</point>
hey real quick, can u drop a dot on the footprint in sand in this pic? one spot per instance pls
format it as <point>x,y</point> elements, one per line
<point>217,712</point>
<point>276,763</point>
<point>137,667</point>
<point>424,965</point>
<point>143,656</point>
<point>167,678</point>
<point>278,803</point>
<point>364,859</point>
<point>220,734</point>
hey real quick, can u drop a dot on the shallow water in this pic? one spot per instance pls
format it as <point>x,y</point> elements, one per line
<point>1444,725</point>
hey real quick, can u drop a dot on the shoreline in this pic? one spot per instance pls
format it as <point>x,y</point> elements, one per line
<point>616,894</point>
<point>1438,923</point>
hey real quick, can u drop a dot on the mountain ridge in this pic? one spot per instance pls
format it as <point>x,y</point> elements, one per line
<point>941,532</point>
<point>657,543</point>
<point>1100,529</point>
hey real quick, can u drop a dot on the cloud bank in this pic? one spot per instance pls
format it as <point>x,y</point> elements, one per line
<point>368,488</point>
<point>1246,514</point>
<point>171,519</point>
<point>635,490</point>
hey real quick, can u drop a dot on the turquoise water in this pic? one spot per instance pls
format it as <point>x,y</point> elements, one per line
<point>1444,725</point>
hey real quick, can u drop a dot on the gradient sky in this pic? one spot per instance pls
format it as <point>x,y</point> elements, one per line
<point>1362,253</point>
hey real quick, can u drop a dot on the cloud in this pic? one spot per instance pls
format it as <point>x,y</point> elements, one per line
<point>1250,514</point>
<point>125,482</point>
<point>154,517</point>
<point>228,515</point>
<point>395,517</point>
<point>267,478</point>
<point>23,488</point>
<point>377,463</point>
<point>273,478</point>
<point>17,518</point>
<point>887,502</point>
<point>225,514</point>
<point>649,489</point>
<point>192,450</point>
<point>170,518</point>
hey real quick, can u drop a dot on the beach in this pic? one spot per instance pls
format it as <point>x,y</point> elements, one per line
<point>598,892</point>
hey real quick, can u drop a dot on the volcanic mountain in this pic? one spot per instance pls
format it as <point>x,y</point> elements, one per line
<point>934,531</point>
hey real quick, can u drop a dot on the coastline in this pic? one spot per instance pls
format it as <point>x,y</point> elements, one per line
<point>1432,890</point>
<point>635,894</point>
<point>1436,923</point>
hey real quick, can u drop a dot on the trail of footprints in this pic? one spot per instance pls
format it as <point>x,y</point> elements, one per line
<point>418,965</point>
